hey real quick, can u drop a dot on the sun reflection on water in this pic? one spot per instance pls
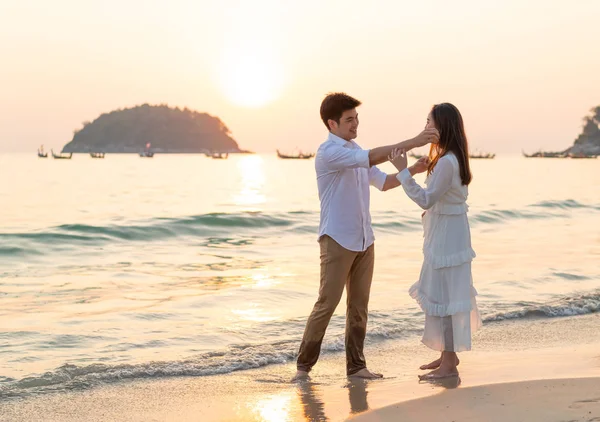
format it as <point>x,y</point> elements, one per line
<point>263,281</point>
<point>254,313</point>
<point>251,168</point>
<point>275,408</point>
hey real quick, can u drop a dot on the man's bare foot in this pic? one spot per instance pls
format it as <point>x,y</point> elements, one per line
<point>366,374</point>
<point>300,376</point>
<point>436,364</point>
<point>440,373</point>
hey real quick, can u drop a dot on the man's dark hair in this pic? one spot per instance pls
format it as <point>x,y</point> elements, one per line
<point>334,105</point>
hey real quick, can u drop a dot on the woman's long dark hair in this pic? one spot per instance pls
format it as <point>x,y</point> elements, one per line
<point>449,123</point>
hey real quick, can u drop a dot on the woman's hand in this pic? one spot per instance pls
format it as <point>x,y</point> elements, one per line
<point>398,159</point>
<point>420,166</point>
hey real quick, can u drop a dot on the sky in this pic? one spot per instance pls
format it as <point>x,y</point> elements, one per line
<point>522,73</point>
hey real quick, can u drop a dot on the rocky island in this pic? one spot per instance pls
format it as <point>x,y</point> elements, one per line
<point>588,142</point>
<point>166,129</point>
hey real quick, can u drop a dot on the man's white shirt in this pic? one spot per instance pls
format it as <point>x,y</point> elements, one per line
<point>343,179</point>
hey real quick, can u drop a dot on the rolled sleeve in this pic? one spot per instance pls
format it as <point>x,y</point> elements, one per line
<point>404,176</point>
<point>337,157</point>
<point>362,158</point>
<point>377,178</point>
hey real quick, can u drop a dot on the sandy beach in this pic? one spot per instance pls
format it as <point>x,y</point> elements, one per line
<point>530,370</point>
<point>532,401</point>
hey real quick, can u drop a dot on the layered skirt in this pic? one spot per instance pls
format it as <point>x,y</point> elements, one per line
<point>445,288</point>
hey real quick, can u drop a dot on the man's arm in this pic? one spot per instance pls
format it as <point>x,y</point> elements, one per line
<point>380,154</point>
<point>391,181</point>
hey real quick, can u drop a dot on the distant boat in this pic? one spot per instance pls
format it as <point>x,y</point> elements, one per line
<point>482,155</point>
<point>97,154</point>
<point>41,152</point>
<point>581,155</point>
<point>545,154</point>
<point>61,156</point>
<point>299,156</point>
<point>220,155</point>
<point>416,156</point>
<point>147,153</point>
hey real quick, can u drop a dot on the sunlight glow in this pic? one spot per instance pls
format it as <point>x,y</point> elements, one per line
<point>250,74</point>
<point>275,408</point>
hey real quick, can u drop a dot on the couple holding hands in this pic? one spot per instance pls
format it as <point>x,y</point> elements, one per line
<point>445,289</point>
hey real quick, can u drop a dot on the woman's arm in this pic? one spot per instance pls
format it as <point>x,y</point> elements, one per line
<point>384,181</point>
<point>380,154</point>
<point>441,180</point>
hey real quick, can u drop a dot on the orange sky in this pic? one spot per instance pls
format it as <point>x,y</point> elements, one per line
<point>523,75</point>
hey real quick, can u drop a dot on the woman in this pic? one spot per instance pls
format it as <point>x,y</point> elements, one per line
<point>445,289</point>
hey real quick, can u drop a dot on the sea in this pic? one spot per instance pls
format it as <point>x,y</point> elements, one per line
<point>128,268</point>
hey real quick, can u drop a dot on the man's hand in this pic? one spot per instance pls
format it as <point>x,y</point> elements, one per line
<point>428,136</point>
<point>420,166</point>
<point>398,159</point>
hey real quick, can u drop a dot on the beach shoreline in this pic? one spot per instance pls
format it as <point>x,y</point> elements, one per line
<point>504,353</point>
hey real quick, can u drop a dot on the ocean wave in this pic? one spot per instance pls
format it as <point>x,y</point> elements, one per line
<point>500,216</point>
<point>240,229</point>
<point>565,204</point>
<point>215,229</point>
<point>234,358</point>
<point>395,324</point>
<point>566,306</point>
<point>159,228</point>
<point>18,251</point>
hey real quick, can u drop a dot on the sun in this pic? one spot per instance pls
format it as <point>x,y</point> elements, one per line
<point>250,75</point>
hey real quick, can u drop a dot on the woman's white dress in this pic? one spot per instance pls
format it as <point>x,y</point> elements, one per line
<point>445,289</point>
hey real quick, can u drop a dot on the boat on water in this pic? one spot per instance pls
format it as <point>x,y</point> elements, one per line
<point>61,156</point>
<point>417,156</point>
<point>299,156</point>
<point>42,153</point>
<point>97,154</point>
<point>488,156</point>
<point>220,155</point>
<point>545,154</point>
<point>147,153</point>
<point>581,155</point>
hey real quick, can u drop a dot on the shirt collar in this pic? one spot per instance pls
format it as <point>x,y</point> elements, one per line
<point>336,139</point>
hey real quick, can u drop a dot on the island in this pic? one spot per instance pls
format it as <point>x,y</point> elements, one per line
<point>588,142</point>
<point>155,128</point>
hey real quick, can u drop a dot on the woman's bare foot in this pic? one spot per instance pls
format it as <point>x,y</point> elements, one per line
<point>447,368</point>
<point>432,365</point>
<point>439,373</point>
<point>435,364</point>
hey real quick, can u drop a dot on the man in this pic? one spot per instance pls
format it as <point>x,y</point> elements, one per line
<point>344,172</point>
